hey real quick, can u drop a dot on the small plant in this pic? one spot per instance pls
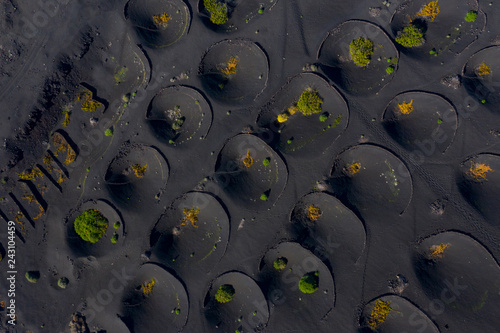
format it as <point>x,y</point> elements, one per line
<point>32,276</point>
<point>161,20</point>
<point>483,70</point>
<point>65,122</point>
<point>405,108</point>
<point>217,10</point>
<point>354,168</point>
<point>324,117</point>
<point>379,313</point>
<point>230,66</point>
<point>309,283</point>
<point>431,10</point>
<point>109,131</point>
<point>411,36</point>
<point>117,225</point>
<point>313,213</point>
<point>248,160</point>
<point>114,238</point>
<point>282,117</point>
<point>147,288</point>
<point>309,102</point>
<point>63,282</point>
<point>280,263</point>
<point>177,124</point>
<point>389,70</point>
<point>88,104</point>
<point>91,225</point>
<point>266,162</point>
<point>177,311</point>
<point>438,250</point>
<point>191,216</point>
<point>361,51</point>
<point>225,293</point>
<point>139,170</point>
<point>264,197</point>
<point>471,16</point>
<point>478,171</point>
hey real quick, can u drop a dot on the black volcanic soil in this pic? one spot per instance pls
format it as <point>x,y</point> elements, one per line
<point>91,90</point>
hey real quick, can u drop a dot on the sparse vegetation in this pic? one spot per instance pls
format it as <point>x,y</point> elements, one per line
<point>411,36</point>
<point>248,160</point>
<point>309,283</point>
<point>62,146</point>
<point>313,213</point>
<point>471,16</point>
<point>217,10</point>
<point>478,171</point>
<point>431,10</point>
<point>405,108</point>
<point>32,276</point>
<point>280,263</point>
<point>230,67</point>
<point>309,102</point>
<point>190,216</point>
<point>161,20</point>
<point>91,225</point>
<point>483,70</point>
<point>361,50</point>
<point>147,287</point>
<point>438,250</point>
<point>225,293</point>
<point>31,174</point>
<point>379,313</point>
<point>88,104</point>
<point>139,170</point>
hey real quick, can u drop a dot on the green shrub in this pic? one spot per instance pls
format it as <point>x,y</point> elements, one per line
<point>389,70</point>
<point>309,102</point>
<point>471,16</point>
<point>63,282</point>
<point>361,50</point>
<point>114,238</point>
<point>266,161</point>
<point>32,276</point>
<point>309,283</point>
<point>324,117</point>
<point>217,10</point>
<point>280,263</point>
<point>411,36</point>
<point>264,197</point>
<point>109,131</point>
<point>116,225</point>
<point>91,225</point>
<point>225,293</point>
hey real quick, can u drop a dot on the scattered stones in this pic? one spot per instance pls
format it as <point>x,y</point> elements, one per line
<point>398,285</point>
<point>437,207</point>
<point>375,12</point>
<point>452,81</point>
<point>78,324</point>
